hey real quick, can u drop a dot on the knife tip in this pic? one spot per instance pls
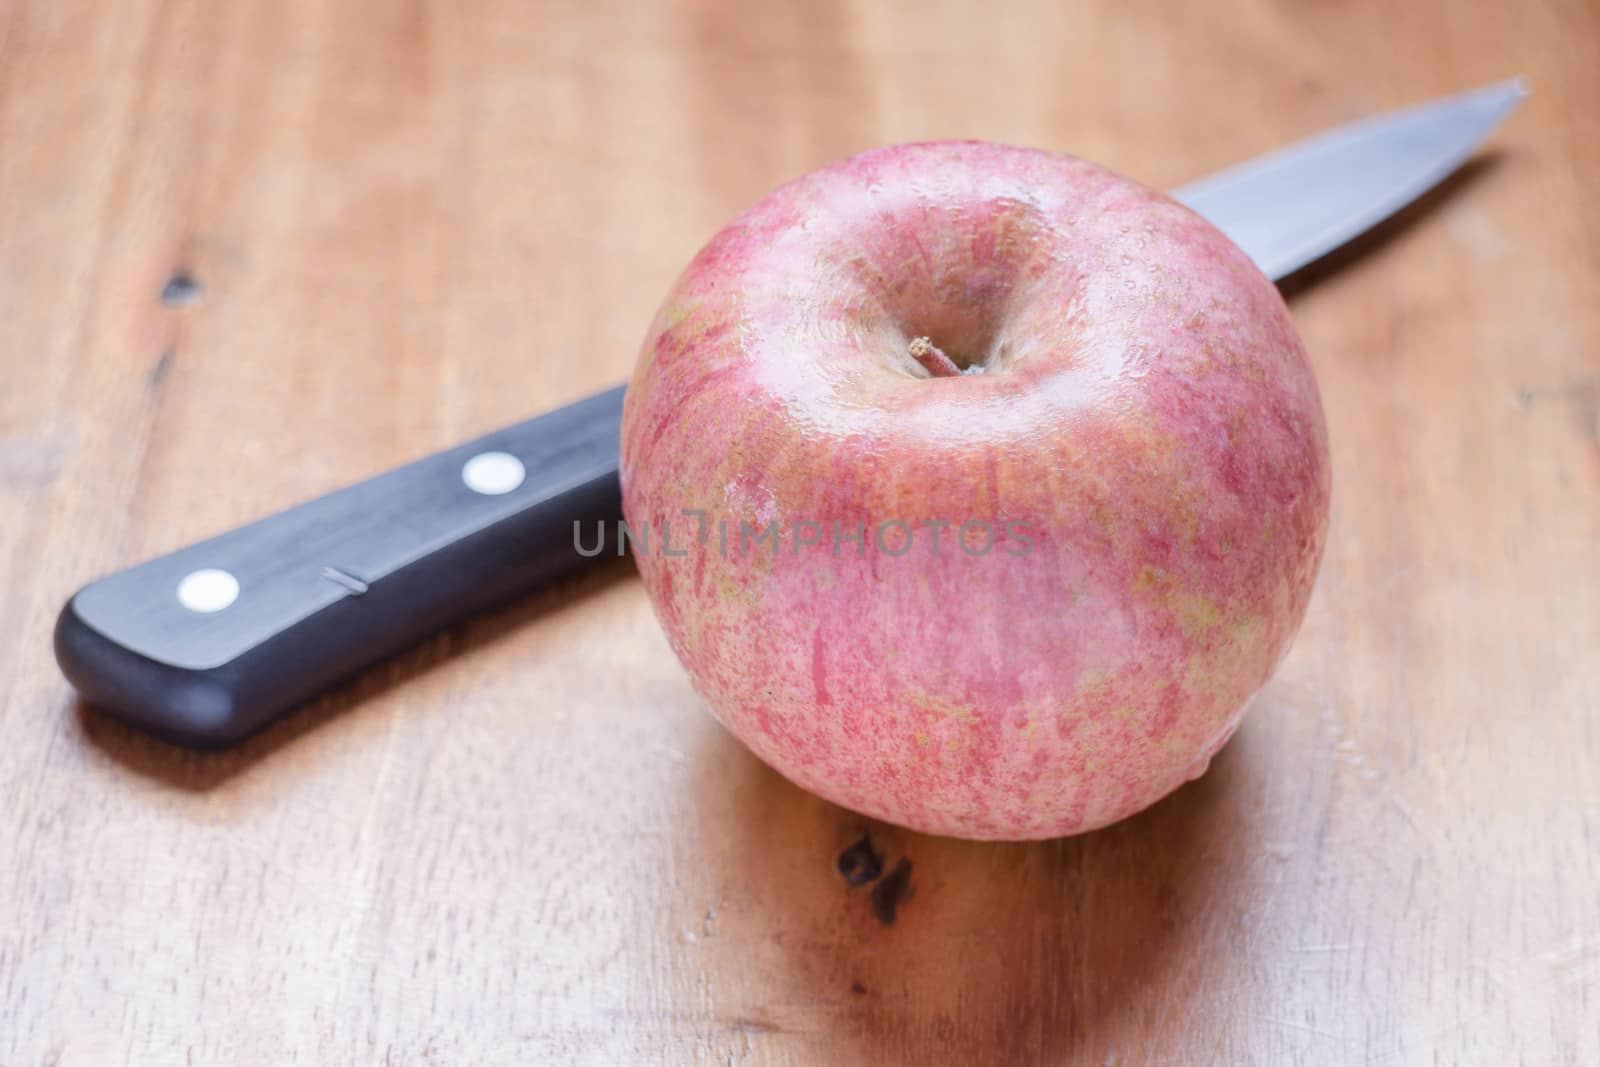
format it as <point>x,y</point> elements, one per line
<point>1497,100</point>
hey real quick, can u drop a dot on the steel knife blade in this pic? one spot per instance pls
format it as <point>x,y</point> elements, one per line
<point>1291,207</point>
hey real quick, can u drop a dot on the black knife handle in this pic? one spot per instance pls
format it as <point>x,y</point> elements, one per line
<point>206,645</point>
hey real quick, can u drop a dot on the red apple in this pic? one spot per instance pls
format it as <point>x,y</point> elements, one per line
<point>967,333</point>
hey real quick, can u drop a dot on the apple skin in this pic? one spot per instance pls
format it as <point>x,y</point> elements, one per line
<point>1147,425</point>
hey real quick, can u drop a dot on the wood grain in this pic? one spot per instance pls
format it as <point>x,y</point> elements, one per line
<point>526,842</point>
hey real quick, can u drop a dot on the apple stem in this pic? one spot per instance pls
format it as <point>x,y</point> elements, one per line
<point>933,361</point>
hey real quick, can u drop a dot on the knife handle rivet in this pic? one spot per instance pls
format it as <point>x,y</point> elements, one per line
<point>208,590</point>
<point>349,581</point>
<point>493,473</point>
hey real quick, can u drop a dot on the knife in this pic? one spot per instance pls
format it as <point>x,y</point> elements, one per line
<point>208,644</point>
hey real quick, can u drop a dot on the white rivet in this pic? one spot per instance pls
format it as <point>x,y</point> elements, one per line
<point>493,473</point>
<point>208,590</point>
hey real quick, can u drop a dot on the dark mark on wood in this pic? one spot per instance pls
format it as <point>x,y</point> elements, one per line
<point>861,863</point>
<point>858,989</point>
<point>744,1025</point>
<point>889,894</point>
<point>180,291</point>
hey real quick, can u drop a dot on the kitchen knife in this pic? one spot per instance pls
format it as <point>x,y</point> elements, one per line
<point>209,643</point>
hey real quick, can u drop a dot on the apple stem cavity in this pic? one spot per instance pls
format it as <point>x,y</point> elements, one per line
<point>933,360</point>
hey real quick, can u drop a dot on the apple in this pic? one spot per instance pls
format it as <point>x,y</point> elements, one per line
<point>977,488</point>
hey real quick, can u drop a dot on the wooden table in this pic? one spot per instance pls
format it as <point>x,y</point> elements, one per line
<point>407,223</point>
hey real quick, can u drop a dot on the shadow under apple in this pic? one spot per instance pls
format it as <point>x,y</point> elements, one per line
<point>1003,953</point>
